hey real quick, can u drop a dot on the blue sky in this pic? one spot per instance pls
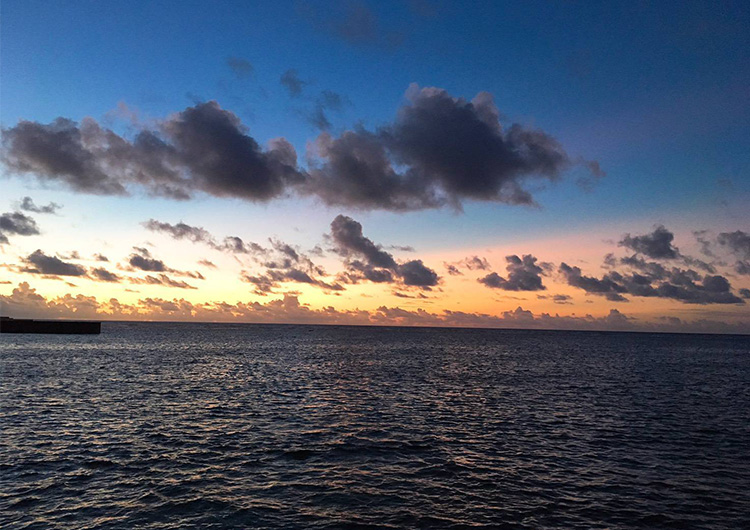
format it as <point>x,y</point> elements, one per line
<point>657,93</point>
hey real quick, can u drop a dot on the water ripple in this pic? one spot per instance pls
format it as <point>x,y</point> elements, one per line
<point>164,426</point>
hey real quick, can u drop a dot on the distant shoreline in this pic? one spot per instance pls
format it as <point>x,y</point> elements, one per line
<point>396,326</point>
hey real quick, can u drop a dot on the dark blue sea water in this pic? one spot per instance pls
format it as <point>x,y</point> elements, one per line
<point>161,426</point>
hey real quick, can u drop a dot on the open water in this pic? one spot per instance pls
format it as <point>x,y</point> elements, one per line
<point>165,426</point>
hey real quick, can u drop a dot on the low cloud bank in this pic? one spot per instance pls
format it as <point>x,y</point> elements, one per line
<point>25,302</point>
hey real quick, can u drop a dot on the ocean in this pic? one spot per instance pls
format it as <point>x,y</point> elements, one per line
<point>216,426</point>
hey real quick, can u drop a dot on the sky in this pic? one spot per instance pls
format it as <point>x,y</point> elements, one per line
<point>537,164</point>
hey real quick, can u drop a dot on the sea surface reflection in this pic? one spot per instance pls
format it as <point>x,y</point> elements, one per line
<point>239,426</point>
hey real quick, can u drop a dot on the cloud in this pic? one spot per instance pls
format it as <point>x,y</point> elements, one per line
<point>448,150</point>
<point>266,283</point>
<point>18,224</point>
<point>292,82</point>
<point>326,101</point>
<point>452,269</point>
<point>180,231</point>
<point>161,279</point>
<point>472,263</point>
<point>100,257</point>
<point>561,299</point>
<point>415,273</point>
<point>656,245</point>
<point>475,263</point>
<point>523,275</point>
<point>27,204</point>
<point>353,22</point>
<point>39,263</point>
<point>206,263</point>
<point>196,234</point>
<point>369,261</point>
<point>104,275</point>
<point>698,263</point>
<point>705,243</point>
<point>402,248</point>
<point>605,286</point>
<point>25,302</point>
<point>281,262</point>
<point>683,285</point>
<point>742,267</point>
<point>236,245</point>
<point>284,263</point>
<point>203,148</point>
<point>440,150</point>
<point>142,260</point>
<point>738,242</point>
<point>58,151</point>
<point>241,68</point>
<point>349,239</point>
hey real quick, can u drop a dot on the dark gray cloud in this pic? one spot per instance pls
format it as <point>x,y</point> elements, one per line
<point>656,245</point>
<point>282,262</point>
<point>196,234</point>
<point>104,275</point>
<point>610,261</point>
<point>605,287</point>
<point>58,151</point>
<point>738,242</point>
<point>326,102</point>
<point>698,264</point>
<point>203,148</point>
<point>17,224</point>
<point>402,248</point>
<point>266,283</point>
<point>352,21</point>
<point>27,204</point>
<point>163,280</point>
<point>236,245</point>
<point>452,269</point>
<point>142,260</point>
<point>74,254</point>
<point>357,172</point>
<point>263,284</point>
<point>745,293</point>
<point>418,296</point>
<point>241,68</point>
<point>100,257</point>
<point>472,263</point>
<point>705,243</point>
<point>206,263</point>
<point>523,275</point>
<point>742,267</point>
<point>292,82</point>
<point>655,271</point>
<point>368,260</point>
<point>416,273</point>
<point>685,285</point>
<point>180,230</point>
<point>475,263</point>
<point>349,239</point>
<point>448,150</point>
<point>562,299</point>
<point>440,150</point>
<point>39,263</point>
